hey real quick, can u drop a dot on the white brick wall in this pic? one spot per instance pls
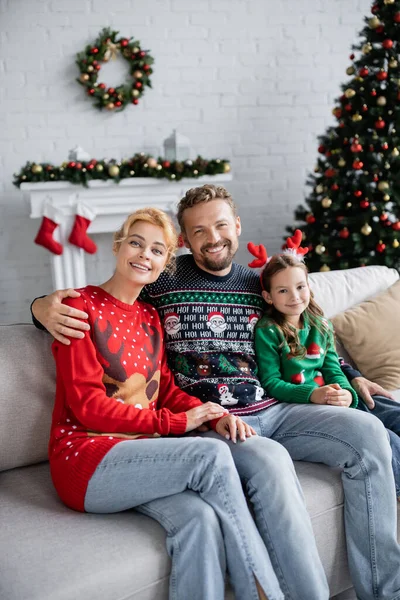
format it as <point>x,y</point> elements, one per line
<point>252,80</point>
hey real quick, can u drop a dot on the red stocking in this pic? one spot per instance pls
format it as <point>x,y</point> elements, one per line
<point>44,236</point>
<point>78,235</point>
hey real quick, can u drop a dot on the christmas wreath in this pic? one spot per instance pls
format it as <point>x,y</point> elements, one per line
<point>109,45</point>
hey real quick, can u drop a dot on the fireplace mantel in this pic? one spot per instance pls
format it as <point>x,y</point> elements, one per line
<point>111,202</point>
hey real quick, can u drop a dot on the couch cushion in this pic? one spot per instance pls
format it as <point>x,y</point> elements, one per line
<point>370,333</point>
<point>337,291</point>
<point>49,552</point>
<point>26,401</point>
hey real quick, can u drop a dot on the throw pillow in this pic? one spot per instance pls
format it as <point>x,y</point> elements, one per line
<point>370,332</point>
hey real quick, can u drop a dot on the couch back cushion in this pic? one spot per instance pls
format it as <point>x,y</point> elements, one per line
<point>27,395</point>
<point>336,291</point>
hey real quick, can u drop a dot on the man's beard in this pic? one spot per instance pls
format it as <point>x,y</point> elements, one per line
<point>218,264</point>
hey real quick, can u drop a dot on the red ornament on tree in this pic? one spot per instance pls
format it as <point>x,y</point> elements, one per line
<point>94,51</point>
<point>356,146</point>
<point>380,123</point>
<point>330,172</point>
<point>363,72</point>
<point>124,43</point>
<point>358,193</point>
<point>396,226</point>
<point>373,92</point>
<point>364,203</point>
<point>382,75</point>
<point>321,149</point>
<point>344,233</point>
<point>380,247</point>
<point>358,165</point>
<point>385,146</point>
<point>396,17</point>
<point>334,187</point>
<point>387,44</point>
<point>348,107</point>
<point>135,101</point>
<point>310,219</point>
<point>379,29</point>
<point>383,217</point>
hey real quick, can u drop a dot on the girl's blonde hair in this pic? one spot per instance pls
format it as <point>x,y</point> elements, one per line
<point>157,217</point>
<point>278,263</point>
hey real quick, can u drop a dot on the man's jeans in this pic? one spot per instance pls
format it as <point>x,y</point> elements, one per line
<point>192,488</point>
<point>353,440</point>
<point>388,411</point>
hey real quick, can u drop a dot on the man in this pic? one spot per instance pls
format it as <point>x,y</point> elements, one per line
<point>209,308</point>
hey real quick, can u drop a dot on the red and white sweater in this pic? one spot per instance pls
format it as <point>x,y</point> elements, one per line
<point>112,385</point>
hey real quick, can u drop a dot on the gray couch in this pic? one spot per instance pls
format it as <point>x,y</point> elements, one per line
<point>49,552</point>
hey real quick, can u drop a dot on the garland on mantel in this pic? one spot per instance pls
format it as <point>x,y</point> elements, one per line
<point>139,165</point>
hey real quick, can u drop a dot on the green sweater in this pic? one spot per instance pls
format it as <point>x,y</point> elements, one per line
<point>291,379</point>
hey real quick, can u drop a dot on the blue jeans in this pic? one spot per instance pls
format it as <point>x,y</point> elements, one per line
<point>357,443</point>
<point>388,411</point>
<point>192,488</point>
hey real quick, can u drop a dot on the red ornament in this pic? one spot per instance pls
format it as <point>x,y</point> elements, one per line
<point>78,165</point>
<point>91,91</point>
<point>71,164</point>
<point>97,67</point>
<point>396,226</point>
<point>118,103</point>
<point>341,124</point>
<point>380,247</point>
<point>383,217</point>
<point>373,92</point>
<point>385,146</point>
<point>310,219</point>
<point>348,107</point>
<point>321,149</point>
<point>124,43</point>
<point>358,193</point>
<point>111,90</point>
<point>93,162</point>
<point>337,112</point>
<point>344,233</point>
<point>374,8</point>
<point>380,123</point>
<point>358,165</point>
<point>356,147</point>
<point>379,29</point>
<point>330,172</point>
<point>90,166</point>
<point>138,85</point>
<point>142,54</point>
<point>339,218</point>
<point>364,108</point>
<point>351,56</point>
<point>364,203</point>
<point>102,86</point>
<point>334,187</point>
<point>371,148</point>
<point>396,17</point>
<point>376,177</point>
<point>338,253</point>
<point>94,51</point>
<point>387,44</point>
<point>166,164</point>
<point>363,72</point>
<point>146,67</point>
<point>382,75</point>
<point>135,101</point>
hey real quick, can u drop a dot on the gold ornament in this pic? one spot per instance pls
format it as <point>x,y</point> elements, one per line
<point>135,49</point>
<point>324,268</point>
<point>395,152</point>
<point>110,106</point>
<point>138,74</point>
<point>388,1</point>
<point>227,168</point>
<point>341,162</point>
<point>386,165</point>
<point>159,167</point>
<point>113,170</point>
<point>131,172</point>
<point>386,198</point>
<point>326,202</point>
<point>319,189</point>
<point>99,167</point>
<point>374,22</point>
<point>84,77</point>
<point>381,101</point>
<point>152,162</point>
<point>90,68</point>
<point>348,205</point>
<point>357,117</point>
<point>366,229</point>
<point>350,93</point>
<point>135,93</point>
<point>367,48</point>
<point>195,172</point>
<point>106,96</point>
<point>383,185</point>
<point>36,169</point>
<point>396,243</point>
<point>320,249</point>
<point>350,70</point>
<point>393,63</point>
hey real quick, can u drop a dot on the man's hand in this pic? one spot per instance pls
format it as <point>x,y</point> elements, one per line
<point>59,319</point>
<point>366,388</point>
<point>230,426</point>
<point>200,414</point>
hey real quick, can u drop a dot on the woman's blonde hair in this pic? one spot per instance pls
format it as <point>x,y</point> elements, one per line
<point>157,217</point>
<point>278,263</point>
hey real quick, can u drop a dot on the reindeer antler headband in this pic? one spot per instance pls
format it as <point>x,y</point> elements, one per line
<point>292,247</point>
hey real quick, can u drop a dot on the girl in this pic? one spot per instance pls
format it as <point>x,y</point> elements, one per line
<point>294,343</point>
<point>116,399</point>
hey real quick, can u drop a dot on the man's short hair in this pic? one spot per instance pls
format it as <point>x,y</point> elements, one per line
<point>204,193</point>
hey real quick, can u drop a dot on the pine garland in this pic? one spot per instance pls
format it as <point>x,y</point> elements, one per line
<point>139,165</point>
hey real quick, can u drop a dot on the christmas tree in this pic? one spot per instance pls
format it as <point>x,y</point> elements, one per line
<point>352,217</point>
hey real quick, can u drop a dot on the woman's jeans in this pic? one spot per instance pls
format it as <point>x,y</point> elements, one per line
<point>192,488</point>
<point>388,411</point>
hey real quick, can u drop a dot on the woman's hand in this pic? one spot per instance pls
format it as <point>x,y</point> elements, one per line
<point>230,427</point>
<point>59,319</point>
<point>200,414</point>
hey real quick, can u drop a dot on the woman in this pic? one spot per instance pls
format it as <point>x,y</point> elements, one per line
<point>116,398</point>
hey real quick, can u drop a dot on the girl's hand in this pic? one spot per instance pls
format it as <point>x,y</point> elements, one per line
<point>338,396</point>
<point>200,414</point>
<point>319,395</point>
<point>230,426</point>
